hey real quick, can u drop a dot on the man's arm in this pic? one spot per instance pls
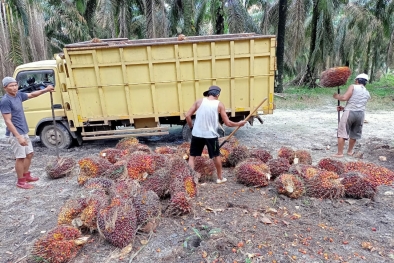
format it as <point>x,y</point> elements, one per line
<point>190,113</point>
<point>37,93</point>
<point>226,120</point>
<point>346,96</point>
<point>13,130</point>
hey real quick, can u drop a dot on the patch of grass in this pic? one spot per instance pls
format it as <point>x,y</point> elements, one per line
<point>298,98</point>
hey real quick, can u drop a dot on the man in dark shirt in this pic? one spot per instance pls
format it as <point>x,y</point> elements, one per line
<point>12,110</point>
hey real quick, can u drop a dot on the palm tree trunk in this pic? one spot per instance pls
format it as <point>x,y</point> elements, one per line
<point>280,51</point>
<point>219,17</point>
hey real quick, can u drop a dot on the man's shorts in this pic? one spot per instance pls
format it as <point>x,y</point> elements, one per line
<point>197,146</point>
<point>351,125</point>
<point>19,150</point>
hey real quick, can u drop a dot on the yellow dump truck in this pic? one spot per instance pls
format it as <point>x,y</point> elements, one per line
<point>114,88</point>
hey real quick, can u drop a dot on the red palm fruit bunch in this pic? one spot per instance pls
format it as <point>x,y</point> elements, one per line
<point>91,167</point>
<point>261,154</point>
<point>233,142</point>
<point>357,185</point>
<point>165,150</point>
<point>161,160</point>
<point>117,222</point>
<point>117,171</point>
<point>252,173</point>
<point>180,204</point>
<point>304,171</point>
<point>140,148</point>
<point>331,165</point>
<point>100,183</point>
<point>70,210</point>
<point>238,154</point>
<point>183,150</point>
<point>224,154</point>
<point>290,185</point>
<point>140,165</point>
<point>335,77</point>
<point>304,157</point>
<point>158,182</point>
<point>375,174</point>
<point>58,168</point>
<point>326,184</point>
<point>113,155</point>
<point>125,189</point>
<point>185,184</point>
<point>179,168</point>
<point>59,245</point>
<point>278,166</point>
<point>126,143</point>
<point>95,202</point>
<point>287,153</point>
<point>147,206</point>
<point>205,167</point>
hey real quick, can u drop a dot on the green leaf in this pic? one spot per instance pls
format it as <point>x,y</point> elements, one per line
<point>197,233</point>
<point>215,231</point>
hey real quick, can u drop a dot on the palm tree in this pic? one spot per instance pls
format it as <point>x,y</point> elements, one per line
<point>281,44</point>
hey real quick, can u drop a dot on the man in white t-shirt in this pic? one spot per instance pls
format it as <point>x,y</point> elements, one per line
<point>204,129</point>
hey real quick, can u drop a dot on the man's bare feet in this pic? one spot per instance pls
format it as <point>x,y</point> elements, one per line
<point>337,155</point>
<point>350,154</point>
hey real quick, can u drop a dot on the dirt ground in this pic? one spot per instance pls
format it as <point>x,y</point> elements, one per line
<point>230,222</point>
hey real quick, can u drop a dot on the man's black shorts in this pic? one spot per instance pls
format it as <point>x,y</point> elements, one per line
<point>197,146</point>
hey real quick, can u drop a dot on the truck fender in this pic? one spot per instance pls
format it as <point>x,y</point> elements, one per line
<point>41,123</point>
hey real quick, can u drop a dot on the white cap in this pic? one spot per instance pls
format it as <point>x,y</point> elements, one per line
<point>362,76</point>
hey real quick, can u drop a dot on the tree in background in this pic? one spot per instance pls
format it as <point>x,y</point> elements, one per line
<point>280,49</point>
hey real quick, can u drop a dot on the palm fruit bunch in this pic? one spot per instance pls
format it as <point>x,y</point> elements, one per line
<point>331,165</point>
<point>357,185</point>
<point>59,245</point>
<point>165,150</point>
<point>100,183</point>
<point>158,182</point>
<point>91,167</point>
<point>261,154</point>
<point>117,222</point>
<point>305,171</point>
<point>233,142</point>
<point>117,171</point>
<point>290,185</point>
<point>180,204</point>
<point>140,148</point>
<point>278,166</point>
<point>113,155</point>
<point>185,184</point>
<point>224,154</point>
<point>238,154</point>
<point>287,153</point>
<point>126,188</point>
<point>179,168</point>
<point>304,157</point>
<point>147,206</point>
<point>375,174</point>
<point>326,184</point>
<point>140,165</point>
<point>205,167</point>
<point>335,77</point>
<point>161,160</point>
<point>58,168</point>
<point>95,202</point>
<point>183,150</point>
<point>252,173</point>
<point>127,143</point>
<point>70,210</point>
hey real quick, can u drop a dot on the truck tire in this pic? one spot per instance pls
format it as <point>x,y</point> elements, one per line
<point>47,136</point>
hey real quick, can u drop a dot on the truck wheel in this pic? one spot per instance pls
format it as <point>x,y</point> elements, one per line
<point>47,136</point>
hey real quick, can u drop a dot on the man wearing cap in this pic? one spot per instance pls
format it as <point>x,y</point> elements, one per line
<point>204,129</point>
<point>12,110</point>
<point>351,124</point>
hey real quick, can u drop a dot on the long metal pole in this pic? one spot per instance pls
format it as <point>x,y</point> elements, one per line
<point>54,126</point>
<point>339,104</point>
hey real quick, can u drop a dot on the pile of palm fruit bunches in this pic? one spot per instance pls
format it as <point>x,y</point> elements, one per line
<point>122,187</point>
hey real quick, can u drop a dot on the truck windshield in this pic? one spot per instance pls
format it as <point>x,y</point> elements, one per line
<point>32,80</point>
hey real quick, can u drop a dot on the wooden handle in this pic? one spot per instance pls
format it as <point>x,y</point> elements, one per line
<point>246,119</point>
